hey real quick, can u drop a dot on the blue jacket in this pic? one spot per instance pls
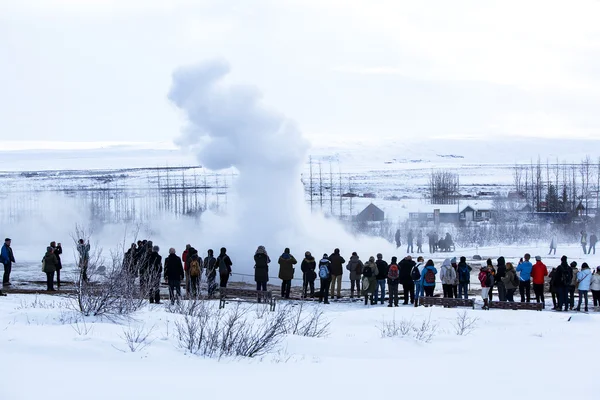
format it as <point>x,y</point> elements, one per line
<point>6,255</point>
<point>423,283</point>
<point>584,277</point>
<point>525,269</point>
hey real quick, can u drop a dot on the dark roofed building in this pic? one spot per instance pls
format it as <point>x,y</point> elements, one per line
<point>370,213</point>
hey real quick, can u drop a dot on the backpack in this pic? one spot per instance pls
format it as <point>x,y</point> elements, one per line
<point>483,278</point>
<point>415,274</point>
<point>393,272</point>
<point>368,271</point>
<point>323,271</point>
<point>463,274</point>
<point>194,269</point>
<point>429,276</point>
<point>515,279</point>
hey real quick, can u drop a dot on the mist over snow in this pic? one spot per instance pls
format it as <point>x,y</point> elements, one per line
<point>228,126</point>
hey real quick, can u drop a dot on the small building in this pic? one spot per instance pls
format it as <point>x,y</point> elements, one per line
<point>370,213</point>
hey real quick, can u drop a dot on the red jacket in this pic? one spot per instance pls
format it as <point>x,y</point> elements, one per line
<point>538,272</point>
<point>184,259</point>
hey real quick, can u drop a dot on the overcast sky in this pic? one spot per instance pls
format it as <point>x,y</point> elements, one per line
<point>100,70</point>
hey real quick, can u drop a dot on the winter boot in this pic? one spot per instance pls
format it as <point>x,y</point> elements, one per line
<point>485,304</point>
<point>366,300</point>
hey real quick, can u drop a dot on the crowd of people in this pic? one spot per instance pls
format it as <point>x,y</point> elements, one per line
<point>436,244</point>
<point>368,280</point>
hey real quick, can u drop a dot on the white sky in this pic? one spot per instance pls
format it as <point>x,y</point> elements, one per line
<point>99,70</point>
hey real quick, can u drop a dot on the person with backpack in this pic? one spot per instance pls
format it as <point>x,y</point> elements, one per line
<point>369,280</point>
<point>595,288</point>
<point>49,265</point>
<point>406,266</point>
<point>261,269</point>
<point>573,284</point>
<point>336,270</point>
<point>524,268</point>
<point>447,275</point>
<point>210,263</point>
<point>593,241</point>
<point>563,275</point>
<point>464,278</point>
<point>286,272</point>
<point>393,280</point>
<point>355,266</point>
<point>325,277</point>
<point>382,268</point>
<point>195,275</point>
<point>224,266</point>
<point>538,274</point>
<point>499,278</point>
<point>511,282</point>
<point>584,277</point>
<point>415,275</point>
<point>428,278</point>
<point>174,275</point>
<point>308,268</point>
<point>487,281</point>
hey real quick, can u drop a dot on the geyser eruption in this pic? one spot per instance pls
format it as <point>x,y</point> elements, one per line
<point>229,127</point>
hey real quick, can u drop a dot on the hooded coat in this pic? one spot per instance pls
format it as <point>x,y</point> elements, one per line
<point>372,280</point>
<point>500,269</point>
<point>382,268</point>
<point>406,267</point>
<point>50,262</point>
<point>538,273</point>
<point>261,267</point>
<point>562,275</point>
<point>509,279</point>
<point>355,266</point>
<point>286,267</point>
<point>425,270</point>
<point>584,277</point>
<point>447,273</point>
<point>308,267</point>
<point>173,268</point>
<point>337,263</point>
<point>595,282</point>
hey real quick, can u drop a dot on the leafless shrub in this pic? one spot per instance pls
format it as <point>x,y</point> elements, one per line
<point>302,324</point>
<point>464,324</point>
<point>426,331</point>
<point>261,310</point>
<point>219,333</point>
<point>136,337</point>
<point>395,328</point>
<point>81,327</point>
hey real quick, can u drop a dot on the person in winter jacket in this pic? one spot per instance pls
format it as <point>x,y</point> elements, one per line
<point>498,279</point>
<point>210,263</point>
<point>308,267</point>
<point>50,265</point>
<point>151,275</point>
<point>186,266</point>
<point>325,277</point>
<point>397,238</point>
<point>538,274</point>
<point>337,270</point>
<point>593,241</point>
<point>583,241</point>
<point>223,265</point>
<point>355,266</point>
<point>420,242</point>
<point>492,271</point>
<point>393,281</point>
<point>487,281</point>
<point>573,285</point>
<point>382,268</point>
<point>563,275</point>
<point>261,268</point>
<point>195,274</point>
<point>369,280</point>
<point>464,278</point>
<point>416,273</point>
<point>553,244</point>
<point>57,250</point>
<point>174,274</point>
<point>84,258</point>
<point>595,288</point>
<point>454,264</point>
<point>408,286</point>
<point>447,276</point>
<point>432,239</point>
<point>524,268</point>
<point>553,289</point>
<point>409,241</point>
<point>511,282</point>
<point>428,278</point>
<point>7,258</point>
<point>286,272</point>
<point>584,277</point>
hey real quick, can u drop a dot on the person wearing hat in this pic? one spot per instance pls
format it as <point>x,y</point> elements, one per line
<point>286,272</point>
<point>369,280</point>
<point>573,284</point>
<point>487,282</point>
<point>595,288</point>
<point>308,267</point>
<point>325,277</point>
<point>499,278</point>
<point>563,274</point>
<point>355,266</point>
<point>49,266</point>
<point>538,274</point>
<point>382,268</point>
<point>456,282</point>
<point>7,258</point>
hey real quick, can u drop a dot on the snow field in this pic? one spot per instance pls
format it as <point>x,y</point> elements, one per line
<point>47,354</point>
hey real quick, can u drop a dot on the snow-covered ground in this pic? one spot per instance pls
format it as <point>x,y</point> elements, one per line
<point>46,352</point>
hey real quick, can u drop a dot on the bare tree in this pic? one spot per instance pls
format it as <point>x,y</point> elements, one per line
<point>443,187</point>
